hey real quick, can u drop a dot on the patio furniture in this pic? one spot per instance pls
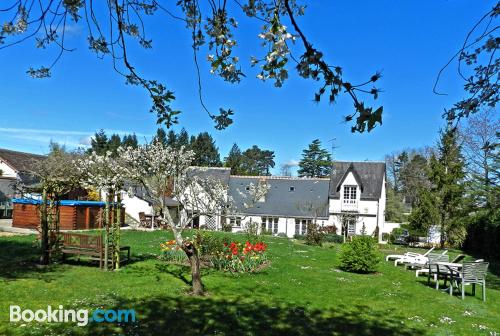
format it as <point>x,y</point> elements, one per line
<point>407,254</point>
<point>471,273</point>
<point>415,262</point>
<point>433,265</point>
<point>143,220</point>
<point>88,245</point>
<point>457,259</point>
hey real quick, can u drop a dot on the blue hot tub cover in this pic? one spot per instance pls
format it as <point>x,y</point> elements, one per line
<point>62,202</point>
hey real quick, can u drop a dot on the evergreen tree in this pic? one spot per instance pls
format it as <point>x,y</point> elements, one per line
<point>315,162</point>
<point>447,173</point>
<point>171,139</point>
<point>442,203</point>
<point>233,160</point>
<point>394,209</point>
<point>130,141</point>
<point>206,153</point>
<point>161,136</point>
<point>99,142</point>
<point>114,142</point>
<point>183,138</point>
<point>256,161</point>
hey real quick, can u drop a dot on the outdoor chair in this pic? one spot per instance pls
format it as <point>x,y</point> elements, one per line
<point>415,262</point>
<point>143,221</point>
<point>472,273</point>
<point>407,254</point>
<point>434,268</point>
<point>425,270</point>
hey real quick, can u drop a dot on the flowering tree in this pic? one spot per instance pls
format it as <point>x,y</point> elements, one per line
<point>181,194</point>
<point>57,175</point>
<point>104,173</point>
<point>112,29</point>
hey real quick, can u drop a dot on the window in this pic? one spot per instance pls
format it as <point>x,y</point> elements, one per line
<point>350,194</point>
<point>350,225</point>
<point>247,188</point>
<point>301,226</point>
<point>270,224</point>
<point>235,221</point>
<point>292,188</point>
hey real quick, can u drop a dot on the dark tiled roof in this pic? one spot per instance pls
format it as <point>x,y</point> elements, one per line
<point>217,173</point>
<point>20,161</point>
<point>371,175</point>
<point>309,197</point>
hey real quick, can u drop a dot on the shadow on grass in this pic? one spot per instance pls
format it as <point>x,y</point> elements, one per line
<point>20,259</point>
<point>187,315</point>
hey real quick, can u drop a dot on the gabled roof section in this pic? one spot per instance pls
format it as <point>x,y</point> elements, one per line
<point>217,173</point>
<point>369,174</point>
<point>354,173</point>
<point>286,197</point>
<point>20,161</point>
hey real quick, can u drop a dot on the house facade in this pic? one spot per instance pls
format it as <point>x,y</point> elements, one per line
<point>15,166</point>
<point>352,200</point>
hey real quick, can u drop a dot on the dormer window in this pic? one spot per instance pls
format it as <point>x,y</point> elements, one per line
<point>350,194</point>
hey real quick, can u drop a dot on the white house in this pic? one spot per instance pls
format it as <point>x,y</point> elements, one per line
<point>355,192</point>
<point>15,166</point>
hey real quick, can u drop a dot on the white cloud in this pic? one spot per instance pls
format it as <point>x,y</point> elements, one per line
<point>291,163</point>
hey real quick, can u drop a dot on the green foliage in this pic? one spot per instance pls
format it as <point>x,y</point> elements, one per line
<point>209,244</point>
<point>206,153</point>
<point>315,162</point>
<point>483,234</point>
<point>177,256</point>
<point>299,237</point>
<point>234,160</point>
<point>360,255</point>
<point>314,235</point>
<point>251,231</point>
<point>256,161</point>
<point>101,143</point>
<point>394,209</point>
<point>333,238</point>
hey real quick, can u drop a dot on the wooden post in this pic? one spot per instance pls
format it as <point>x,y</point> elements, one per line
<point>106,232</point>
<point>87,218</point>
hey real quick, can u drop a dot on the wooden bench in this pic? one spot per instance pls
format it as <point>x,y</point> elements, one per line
<point>88,245</point>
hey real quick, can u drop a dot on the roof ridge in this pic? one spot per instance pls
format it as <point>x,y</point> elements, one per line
<point>19,152</point>
<point>274,177</point>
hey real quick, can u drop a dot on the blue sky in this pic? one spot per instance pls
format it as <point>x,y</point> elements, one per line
<point>408,41</point>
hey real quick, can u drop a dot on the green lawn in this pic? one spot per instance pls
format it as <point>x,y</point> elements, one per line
<point>300,293</point>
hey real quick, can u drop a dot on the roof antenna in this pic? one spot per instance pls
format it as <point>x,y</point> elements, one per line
<point>333,146</point>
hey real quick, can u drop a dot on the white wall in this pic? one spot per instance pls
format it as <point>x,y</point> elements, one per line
<point>134,205</point>
<point>7,171</point>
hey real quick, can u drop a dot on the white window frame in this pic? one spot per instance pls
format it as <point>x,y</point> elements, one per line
<point>350,194</point>
<point>301,225</point>
<point>235,221</point>
<point>271,224</point>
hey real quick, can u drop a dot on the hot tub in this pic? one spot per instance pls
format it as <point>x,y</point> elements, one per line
<point>74,215</point>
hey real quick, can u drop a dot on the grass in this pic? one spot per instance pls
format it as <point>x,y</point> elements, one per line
<point>300,293</point>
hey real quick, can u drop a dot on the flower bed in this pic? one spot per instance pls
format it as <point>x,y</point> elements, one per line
<point>170,251</point>
<point>241,258</point>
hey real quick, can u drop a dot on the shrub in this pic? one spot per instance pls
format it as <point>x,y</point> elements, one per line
<point>299,237</point>
<point>314,235</point>
<point>209,244</point>
<point>266,233</point>
<point>171,252</point>
<point>360,255</point>
<point>237,257</point>
<point>251,230</point>
<point>330,229</point>
<point>282,235</point>
<point>333,238</point>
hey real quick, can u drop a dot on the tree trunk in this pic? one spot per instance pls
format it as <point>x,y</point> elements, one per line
<point>44,228</point>
<point>194,260</point>
<point>106,232</point>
